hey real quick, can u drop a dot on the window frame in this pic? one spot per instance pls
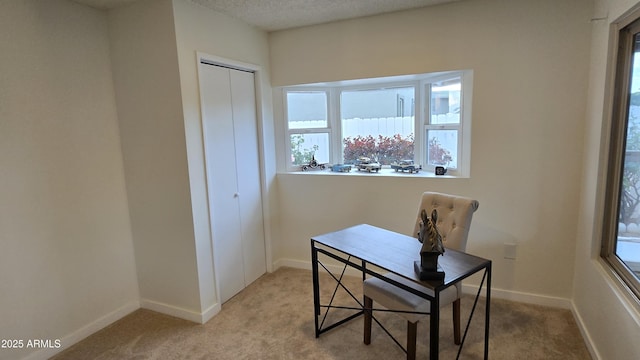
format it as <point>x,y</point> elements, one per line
<point>329,129</point>
<point>421,113</point>
<point>376,86</point>
<point>621,51</point>
<point>428,125</point>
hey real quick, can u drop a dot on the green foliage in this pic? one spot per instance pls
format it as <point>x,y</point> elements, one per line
<point>299,154</point>
<point>386,149</point>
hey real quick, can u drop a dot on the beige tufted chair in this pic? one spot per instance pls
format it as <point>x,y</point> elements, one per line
<point>454,221</point>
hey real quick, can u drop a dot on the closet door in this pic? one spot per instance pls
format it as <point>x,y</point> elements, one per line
<point>248,173</point>
<point>233,177</point>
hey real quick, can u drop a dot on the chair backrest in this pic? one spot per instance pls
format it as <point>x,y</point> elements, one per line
<point>454,217</point>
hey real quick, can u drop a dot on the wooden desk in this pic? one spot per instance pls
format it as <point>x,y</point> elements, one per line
<point>396,253</point>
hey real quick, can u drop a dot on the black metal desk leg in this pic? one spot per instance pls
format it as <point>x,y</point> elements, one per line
<point>316,285</point>
<point>434,333</point>
<point>487,313</point>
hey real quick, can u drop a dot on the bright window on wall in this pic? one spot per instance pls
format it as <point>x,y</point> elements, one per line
<point>443,125</point>
<point>423,120</point>
<point>377,123</point>
<point>308,123</point>
<point>621,231</point>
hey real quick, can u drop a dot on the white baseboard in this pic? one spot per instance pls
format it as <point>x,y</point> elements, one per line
<point>181,313</point>
<point>528,298</point>
<point>517,296</point>
<point>296,264</point>
<point>212,311</point>
<point>306,265</point>
<point>118,314</point>
<point>85,331</point>
<point>595,355</point>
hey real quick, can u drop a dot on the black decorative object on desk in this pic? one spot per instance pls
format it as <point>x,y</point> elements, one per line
<point>427,268</point>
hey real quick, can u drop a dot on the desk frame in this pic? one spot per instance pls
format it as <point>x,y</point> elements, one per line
<point>339,246</point>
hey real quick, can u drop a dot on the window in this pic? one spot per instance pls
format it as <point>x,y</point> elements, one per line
<point>423,118</point>
<point>443,125</point>
<point>621,230</point>
<point>308,123</point>
<point>374,125</point>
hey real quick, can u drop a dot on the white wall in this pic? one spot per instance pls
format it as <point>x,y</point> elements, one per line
<point>66,258</point>
<point>530,62</point>
<point>200,29</point>
<point>609,317</point>
<point>67,264</point>
<point>84,181</point>
<point>147,85</point>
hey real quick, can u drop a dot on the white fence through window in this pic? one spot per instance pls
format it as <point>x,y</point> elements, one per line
<point>373,126</point>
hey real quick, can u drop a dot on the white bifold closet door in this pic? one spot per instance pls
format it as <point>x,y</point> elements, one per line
<point>233,176</point>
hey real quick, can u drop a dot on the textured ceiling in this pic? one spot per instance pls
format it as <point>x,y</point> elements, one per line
<point>273,15</point>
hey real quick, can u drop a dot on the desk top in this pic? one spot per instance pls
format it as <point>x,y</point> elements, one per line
<point>396,253</point>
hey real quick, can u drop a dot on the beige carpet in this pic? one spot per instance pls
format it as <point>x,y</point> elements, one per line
<point>273,319</point>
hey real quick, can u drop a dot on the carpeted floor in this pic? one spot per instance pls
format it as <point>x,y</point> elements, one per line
<point>273,319</point>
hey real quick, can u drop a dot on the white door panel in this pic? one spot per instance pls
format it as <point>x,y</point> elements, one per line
<point>233,172</point>
<point>248,170</point>
<point>222,184</point>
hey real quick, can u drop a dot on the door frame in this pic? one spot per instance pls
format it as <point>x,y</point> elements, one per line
<point>204,59</point>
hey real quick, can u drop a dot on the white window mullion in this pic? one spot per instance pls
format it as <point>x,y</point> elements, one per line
<point>421,120</point>
<point>336,126</point>
<point>464,160</point>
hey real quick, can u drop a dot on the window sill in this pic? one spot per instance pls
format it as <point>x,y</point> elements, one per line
<point>620,288</point>
<point>382,173</point>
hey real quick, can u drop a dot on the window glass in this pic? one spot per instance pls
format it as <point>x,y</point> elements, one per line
<point>378,123</point>
<point>307,109</point>
<point>442,148</point>
<point>445,102</point>
<point>419,118</point>
<point>621,227</point>
<point>627,246</point>
<point>305,147</point>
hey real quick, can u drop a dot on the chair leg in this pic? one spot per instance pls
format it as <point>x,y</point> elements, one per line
<point>412,329</point>
<point>456,322</point>
<point>368,305</point>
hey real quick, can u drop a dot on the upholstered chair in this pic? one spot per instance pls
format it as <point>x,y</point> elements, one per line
<point>454,221</point>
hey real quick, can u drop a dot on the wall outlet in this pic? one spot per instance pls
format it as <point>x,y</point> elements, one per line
<point>510,250</point>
